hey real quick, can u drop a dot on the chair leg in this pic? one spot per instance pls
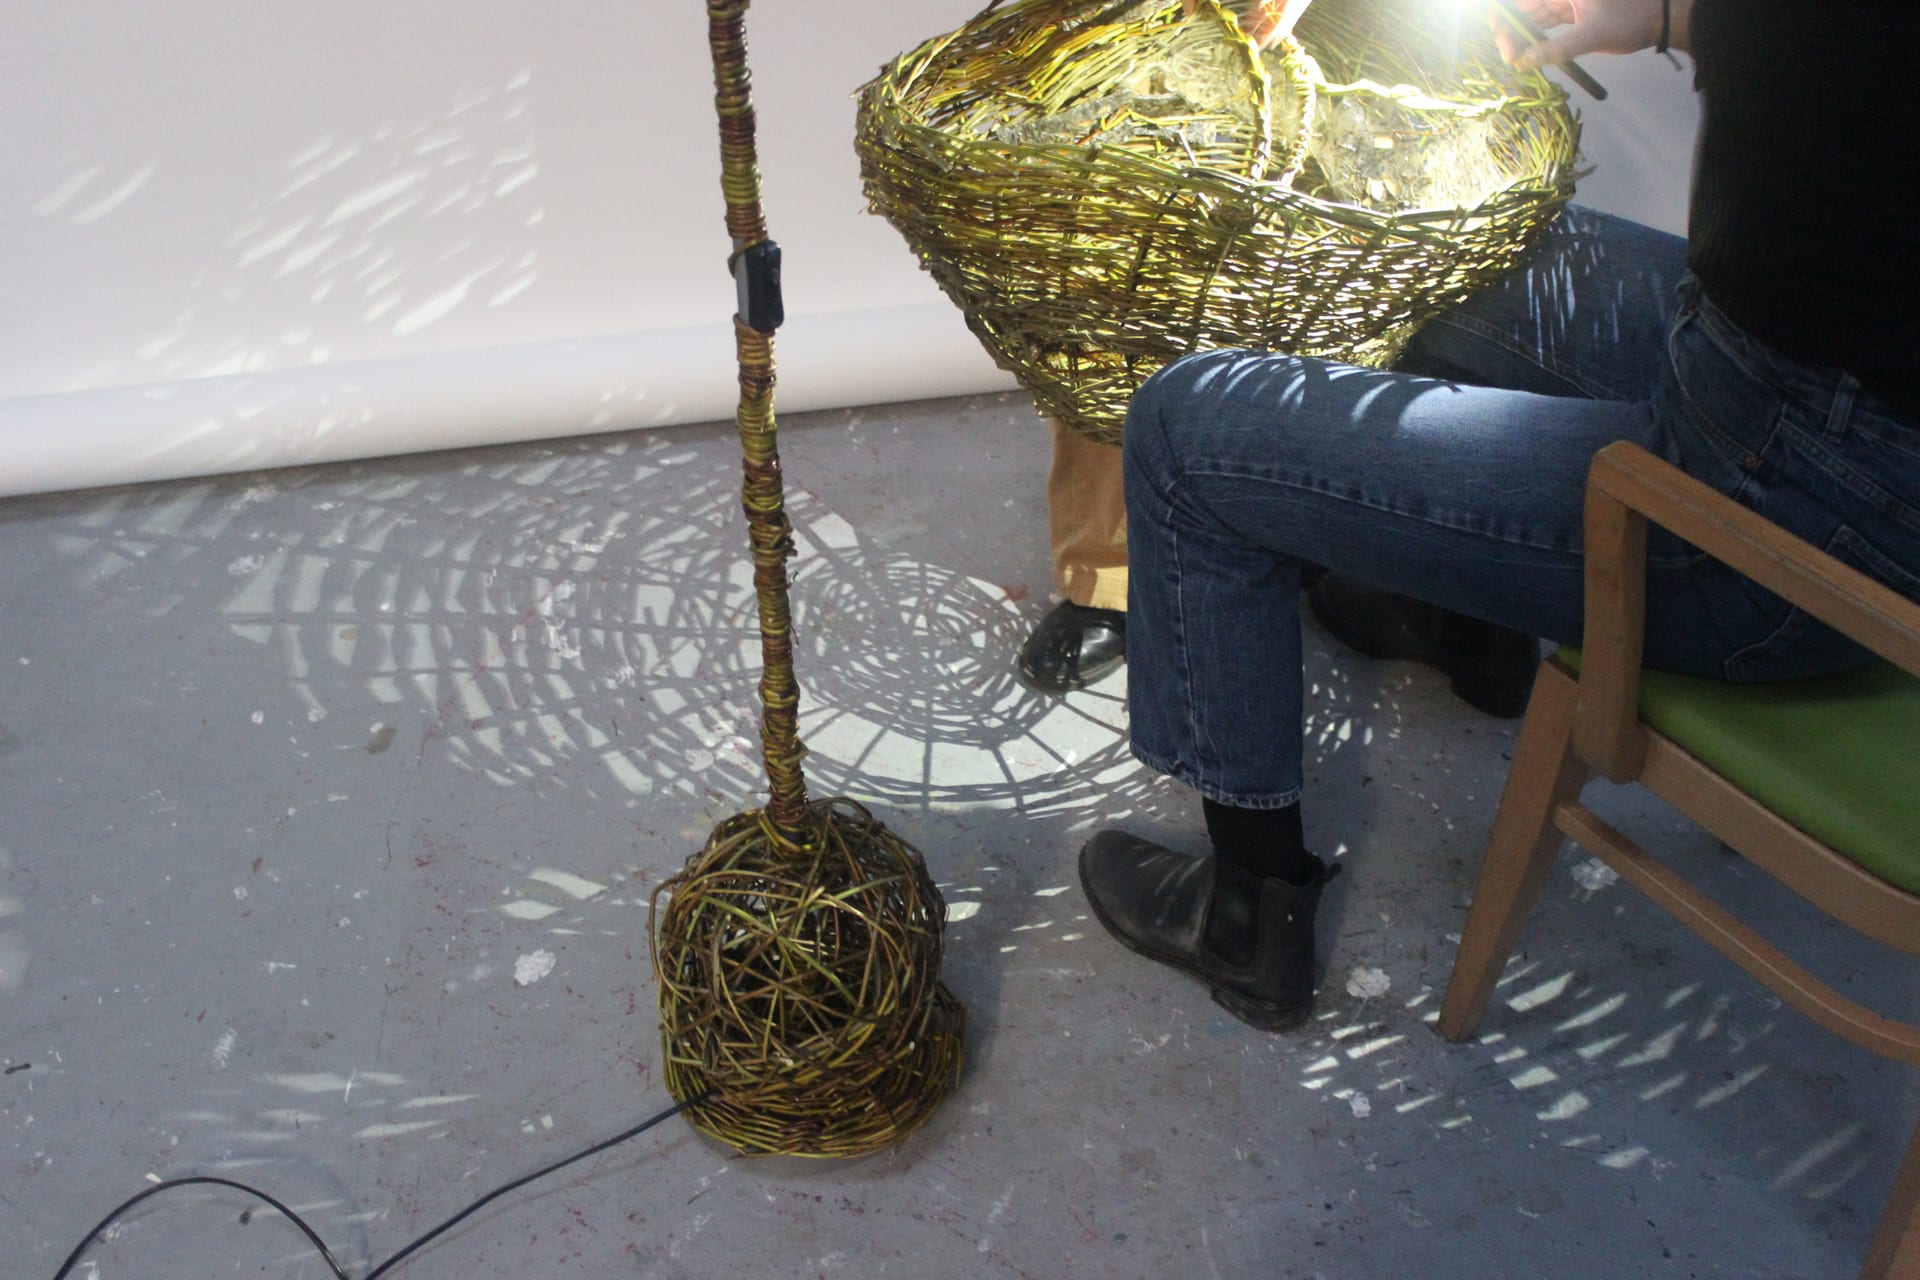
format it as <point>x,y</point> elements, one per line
<point>1520,850</point>
<point>1895,1254</point>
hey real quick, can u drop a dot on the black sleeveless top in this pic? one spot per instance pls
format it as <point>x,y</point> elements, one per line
<point>1805,221</point>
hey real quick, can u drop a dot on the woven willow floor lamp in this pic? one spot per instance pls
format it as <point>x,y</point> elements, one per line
<point>797,954</point>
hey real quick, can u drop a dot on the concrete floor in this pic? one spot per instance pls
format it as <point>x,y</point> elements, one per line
<point>306,777</point>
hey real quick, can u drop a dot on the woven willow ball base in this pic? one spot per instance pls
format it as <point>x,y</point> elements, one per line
<point>1379,170</point>
<point>801,982</point>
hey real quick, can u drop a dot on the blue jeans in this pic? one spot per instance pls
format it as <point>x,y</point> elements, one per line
<point>1458,478</point>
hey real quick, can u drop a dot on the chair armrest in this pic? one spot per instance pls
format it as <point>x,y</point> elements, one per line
<point>1627,487</point>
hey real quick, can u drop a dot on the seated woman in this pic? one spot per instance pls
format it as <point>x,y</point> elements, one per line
<point>1773,354</point>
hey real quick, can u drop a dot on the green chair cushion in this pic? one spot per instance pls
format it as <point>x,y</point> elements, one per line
<point>1838,757</point>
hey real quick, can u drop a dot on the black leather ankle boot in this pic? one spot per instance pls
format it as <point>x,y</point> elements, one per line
<point>1072,647</point>
<point>1250,940</point>
<point>1489,666</point>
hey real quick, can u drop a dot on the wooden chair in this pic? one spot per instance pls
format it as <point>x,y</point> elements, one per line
<point>1816,782</point>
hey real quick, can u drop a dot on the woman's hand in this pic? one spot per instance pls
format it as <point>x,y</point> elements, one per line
<point>1267,22</point>
<point>1590,26</point>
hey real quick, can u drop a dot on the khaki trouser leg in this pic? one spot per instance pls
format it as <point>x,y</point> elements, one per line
<point>1087,514</point>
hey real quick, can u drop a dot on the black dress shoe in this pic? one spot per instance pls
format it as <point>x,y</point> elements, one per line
<point>1489,666</point>
<point>1072,647</point>
<point>1250,940</point>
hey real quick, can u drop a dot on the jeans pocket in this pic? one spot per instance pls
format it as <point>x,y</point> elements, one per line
<point>1727,411</point>
<point>1802,646</point>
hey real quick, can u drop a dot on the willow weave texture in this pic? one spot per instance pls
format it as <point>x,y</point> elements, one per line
<point>1094,220</point>
<point>797,955</point>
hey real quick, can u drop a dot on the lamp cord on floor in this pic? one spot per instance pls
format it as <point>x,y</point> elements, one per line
<point>333,1263</point>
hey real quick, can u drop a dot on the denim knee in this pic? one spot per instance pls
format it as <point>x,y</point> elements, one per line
<point>1143,444</point>
<point>1162,412</point>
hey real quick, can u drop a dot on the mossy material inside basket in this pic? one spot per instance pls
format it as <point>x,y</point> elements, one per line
<point>1104,187</point>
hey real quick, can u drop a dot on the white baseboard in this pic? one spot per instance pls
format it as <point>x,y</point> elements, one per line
<point>494,395</point>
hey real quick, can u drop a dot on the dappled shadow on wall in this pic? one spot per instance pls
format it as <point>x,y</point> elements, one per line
<point>354,241</point>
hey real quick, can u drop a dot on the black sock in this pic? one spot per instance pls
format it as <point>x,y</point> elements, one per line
<point>1264,842</point>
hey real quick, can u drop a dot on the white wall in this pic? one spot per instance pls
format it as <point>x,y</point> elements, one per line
<point>241,235</point>
<point>1639,142</point>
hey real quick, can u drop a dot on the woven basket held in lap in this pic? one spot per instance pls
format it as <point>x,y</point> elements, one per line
<point>1102,187</point>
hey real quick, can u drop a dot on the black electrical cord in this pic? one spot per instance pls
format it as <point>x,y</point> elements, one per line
<point>333,1263</point>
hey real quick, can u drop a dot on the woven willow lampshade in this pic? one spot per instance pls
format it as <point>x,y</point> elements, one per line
<point>1102,187</point>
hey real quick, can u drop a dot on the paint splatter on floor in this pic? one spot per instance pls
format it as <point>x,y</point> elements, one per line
<point>530,968</point>
<point>1366,983</point>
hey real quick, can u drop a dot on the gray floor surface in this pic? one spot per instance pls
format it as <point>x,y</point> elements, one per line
<point>331,799</point>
